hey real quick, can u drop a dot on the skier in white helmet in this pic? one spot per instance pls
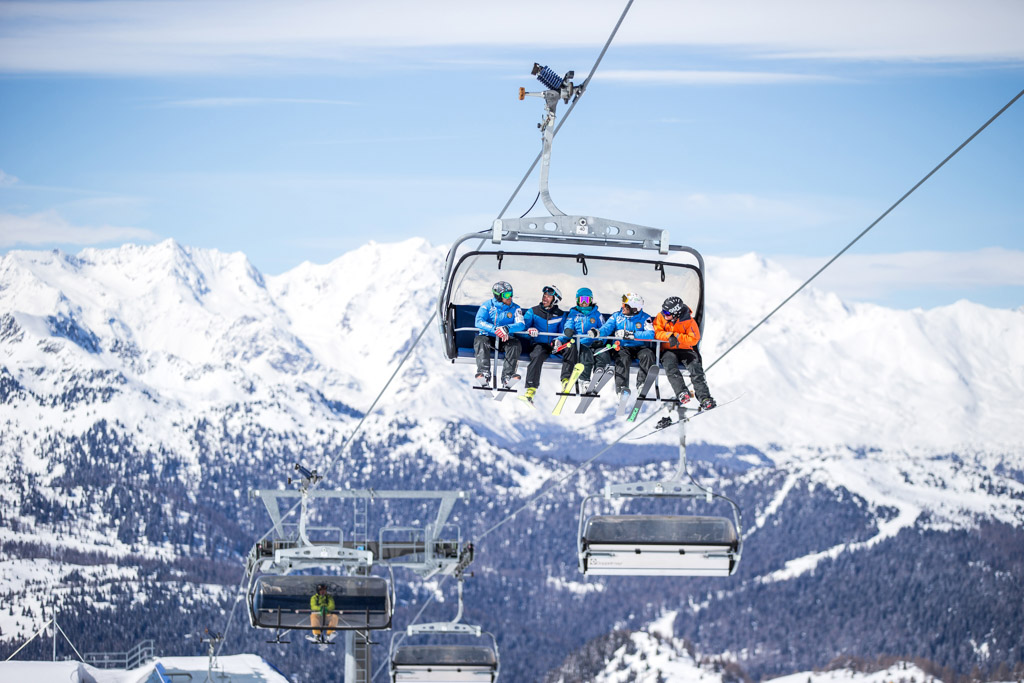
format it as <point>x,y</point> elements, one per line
<point>632,327</point>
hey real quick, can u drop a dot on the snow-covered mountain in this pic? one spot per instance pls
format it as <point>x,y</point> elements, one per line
<point>192,325</point>
<point>144,390</point>
<point>655,655</point>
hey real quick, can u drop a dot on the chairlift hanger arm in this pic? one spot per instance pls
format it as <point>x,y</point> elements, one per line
<point>558,88</point>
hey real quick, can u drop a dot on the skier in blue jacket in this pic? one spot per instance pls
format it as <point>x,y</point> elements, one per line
<point>580,319</point>
<point>498,318</point>
<point>543,323</point>
<point>631,325</point>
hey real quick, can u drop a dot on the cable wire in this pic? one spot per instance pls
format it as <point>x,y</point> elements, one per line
<point>873,224</point>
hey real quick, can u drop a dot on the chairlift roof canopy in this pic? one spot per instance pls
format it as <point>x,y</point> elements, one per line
<point>445,655</point>
<point>660,529</point>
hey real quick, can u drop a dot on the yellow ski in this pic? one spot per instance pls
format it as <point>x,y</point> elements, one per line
<point>577,370</point>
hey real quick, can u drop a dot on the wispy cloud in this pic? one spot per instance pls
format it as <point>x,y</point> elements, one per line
<point>224,102</point>
<point>683,77</point>
<point>7,180</point>
<point>221,36</point>
<point>49,227</point>
<point>874,276</point>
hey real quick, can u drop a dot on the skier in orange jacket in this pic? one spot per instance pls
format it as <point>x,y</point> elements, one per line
<point>677,329</point>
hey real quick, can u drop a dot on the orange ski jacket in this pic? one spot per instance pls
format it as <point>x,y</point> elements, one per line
<point>685,330</point>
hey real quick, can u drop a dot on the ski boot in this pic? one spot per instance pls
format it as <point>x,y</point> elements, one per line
<point>624,400</point>
<point>510,381</point>
<point>683,398</point>
<point>708,403</point>
<point>527,398</point>
<point>483,379</point>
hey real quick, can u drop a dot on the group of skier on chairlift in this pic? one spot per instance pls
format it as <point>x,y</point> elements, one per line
<point>556,332</point>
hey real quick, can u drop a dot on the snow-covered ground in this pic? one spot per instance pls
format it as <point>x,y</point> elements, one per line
<point>236,668</point>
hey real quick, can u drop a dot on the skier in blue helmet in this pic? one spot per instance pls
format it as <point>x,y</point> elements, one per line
<point>497,321</point>
<point>580,319</point>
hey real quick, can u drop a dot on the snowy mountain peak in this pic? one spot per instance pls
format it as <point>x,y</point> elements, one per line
<point>821,373</point>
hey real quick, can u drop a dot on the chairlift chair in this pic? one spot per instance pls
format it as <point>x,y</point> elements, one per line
<point>361,603</point>
<point>570,251</point>
<point>659,545</point>
<point>448,663</point>
<point>278,598</point>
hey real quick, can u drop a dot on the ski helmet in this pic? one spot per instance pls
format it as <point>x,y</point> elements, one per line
<point>553,291</point>
<point>633,300</point>
<point>501,290</point>
<point>673,307</point>
<point>584,292</point>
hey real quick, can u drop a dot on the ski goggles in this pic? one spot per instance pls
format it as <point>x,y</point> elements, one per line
<point>550,291</point>
<point>583,300</point>
<point>506,295</point>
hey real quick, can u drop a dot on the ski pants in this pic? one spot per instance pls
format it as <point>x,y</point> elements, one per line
<point>581,353</point>
<point>316,621</point>
<point>538,354</point>
<point>483,349</point>
<point>624,360</point>
<point>671,359</point>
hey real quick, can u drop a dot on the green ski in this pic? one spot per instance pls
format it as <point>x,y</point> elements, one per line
<point>652,377</point>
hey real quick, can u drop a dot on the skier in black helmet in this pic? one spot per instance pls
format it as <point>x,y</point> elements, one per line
<point>498,319</point>
<point>678,331</point>
<point>542,323</point>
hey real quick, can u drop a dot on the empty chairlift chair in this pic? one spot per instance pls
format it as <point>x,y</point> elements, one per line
<point>660,545</point>
<point>448,662</point>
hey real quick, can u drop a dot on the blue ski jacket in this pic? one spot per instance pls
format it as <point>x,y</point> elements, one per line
<point>640,325</point>
<point>493,315</point>
<point>580,322</point>
<point>548,320</point>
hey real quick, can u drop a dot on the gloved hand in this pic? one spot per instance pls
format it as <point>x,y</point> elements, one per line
<point>532,332</point>
<point>593,332</point>
<point>620,333</point>
<point>502,333</point>
<point>569,333</point>
<point>673,340</point>
<point>626,334</point>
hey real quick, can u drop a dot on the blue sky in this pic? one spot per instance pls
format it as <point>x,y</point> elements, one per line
<point>297,131</point>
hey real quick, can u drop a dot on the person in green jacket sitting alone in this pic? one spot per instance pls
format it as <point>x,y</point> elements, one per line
<point>322,606</point>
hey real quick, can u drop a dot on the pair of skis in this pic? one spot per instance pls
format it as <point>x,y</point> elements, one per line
<point>649,381</point>
<point>667,421</point>
<point>597,381</point>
